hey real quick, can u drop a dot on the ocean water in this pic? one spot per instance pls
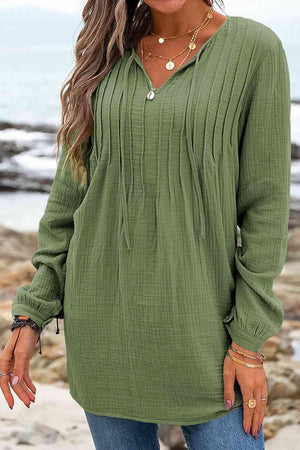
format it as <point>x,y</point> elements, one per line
<point>30,80</point>
<point>34,64</point>
<point>32,72</point>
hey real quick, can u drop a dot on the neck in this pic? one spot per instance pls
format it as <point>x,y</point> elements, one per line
<point>173,23</point>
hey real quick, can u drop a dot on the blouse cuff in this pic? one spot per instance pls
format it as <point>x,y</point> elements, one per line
<point>40,311</point>
<point>242,337</point>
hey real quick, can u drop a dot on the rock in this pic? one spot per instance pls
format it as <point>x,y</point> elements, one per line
<point>295,151</point>
<point>42,128</point>
<point>281,380</point>
<point>294,219</point>
<point>273,425</point>
<point>9,149</point>
<point>282,368</point>
<point>39,142</point>
<point>293,245</point>
<point>172,436</point>
<point>14,180</point>
<point>15,247</point>
<point>289,295</point>
<point>282,406</point>
<point>287,283</point>
<point>54,421</point>
<point>285,345</point>
<point>287,438</point>
<point>35,433</point>
<point>296,378</point>
<point>271,347</point>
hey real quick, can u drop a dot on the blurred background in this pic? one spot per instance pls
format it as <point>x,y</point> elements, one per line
<point>36,55</point>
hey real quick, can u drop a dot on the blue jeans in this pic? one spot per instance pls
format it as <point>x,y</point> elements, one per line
<point>223,433</point>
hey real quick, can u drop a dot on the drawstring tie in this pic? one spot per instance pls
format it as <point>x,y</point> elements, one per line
<point>200,217</point>
<point>200,214</point>
<point>57,329</point>
<point>123,203</point>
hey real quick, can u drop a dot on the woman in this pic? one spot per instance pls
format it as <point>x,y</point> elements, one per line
<point>186,138</point>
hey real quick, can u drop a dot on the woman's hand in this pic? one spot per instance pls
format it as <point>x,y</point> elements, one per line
<point>253,384</point>
<point>16,360</point>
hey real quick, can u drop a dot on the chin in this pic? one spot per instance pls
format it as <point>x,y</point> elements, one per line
<point>165,6</point>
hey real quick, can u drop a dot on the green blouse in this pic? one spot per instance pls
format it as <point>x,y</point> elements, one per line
<point>143,263</point>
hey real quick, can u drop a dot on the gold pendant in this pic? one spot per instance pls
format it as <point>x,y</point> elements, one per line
<point>192,46</point>
<point>170,65</point>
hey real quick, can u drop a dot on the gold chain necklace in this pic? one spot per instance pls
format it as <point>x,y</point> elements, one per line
<point>170,64</point>
<point>162,39</point>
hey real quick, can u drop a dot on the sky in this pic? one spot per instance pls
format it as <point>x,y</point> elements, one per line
<point>267,11</point>
<point>68,6</point>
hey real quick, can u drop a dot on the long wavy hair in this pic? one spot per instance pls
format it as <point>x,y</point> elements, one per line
<point>109,27</point>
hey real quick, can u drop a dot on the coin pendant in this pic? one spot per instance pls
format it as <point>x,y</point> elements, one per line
<point>161,40</point>
<point>170,65</point>
<point>150,95</point>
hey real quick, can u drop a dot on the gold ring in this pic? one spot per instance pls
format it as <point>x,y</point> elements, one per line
<point>251,403</point>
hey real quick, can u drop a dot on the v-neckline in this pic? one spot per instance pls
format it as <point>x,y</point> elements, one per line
<point>171,77</point>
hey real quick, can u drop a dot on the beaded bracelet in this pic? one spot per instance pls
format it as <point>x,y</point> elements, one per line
<point>21,321</point>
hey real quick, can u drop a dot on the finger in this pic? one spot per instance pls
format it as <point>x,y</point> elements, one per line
<point>257,410</point>
<point>28,391</point>
<point>6,365</point>
<point>247,393</point>
<point>263,402</point>
<point>22,393</point>
<point>21,361</point>
<point>28,381</point>
<point>229,380</point>
<point>4,384</point>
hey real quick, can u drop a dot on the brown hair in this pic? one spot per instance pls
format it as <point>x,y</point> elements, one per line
<point>109,27</point>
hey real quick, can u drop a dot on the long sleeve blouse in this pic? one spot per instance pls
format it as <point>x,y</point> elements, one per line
<point>143,263</point>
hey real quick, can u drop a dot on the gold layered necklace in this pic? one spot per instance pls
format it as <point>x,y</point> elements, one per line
<point>170,65</point>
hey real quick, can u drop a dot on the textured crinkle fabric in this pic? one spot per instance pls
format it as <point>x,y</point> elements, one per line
<point>143,263</point>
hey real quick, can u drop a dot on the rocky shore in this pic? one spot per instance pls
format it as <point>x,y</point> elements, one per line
<point>27,157</point>
<point>49,369</point>
<point>55,419</point>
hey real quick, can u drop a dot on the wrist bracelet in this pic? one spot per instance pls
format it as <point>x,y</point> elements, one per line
<point>260,355</point>
<point>21,321</point>
<point>243,363</point>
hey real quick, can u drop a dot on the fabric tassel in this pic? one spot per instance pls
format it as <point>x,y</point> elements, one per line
<point>200,212</point>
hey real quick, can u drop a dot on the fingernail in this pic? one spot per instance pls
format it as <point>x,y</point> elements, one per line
<point>228,404</point>
<point>14,380</point>
<point>248,430</point>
